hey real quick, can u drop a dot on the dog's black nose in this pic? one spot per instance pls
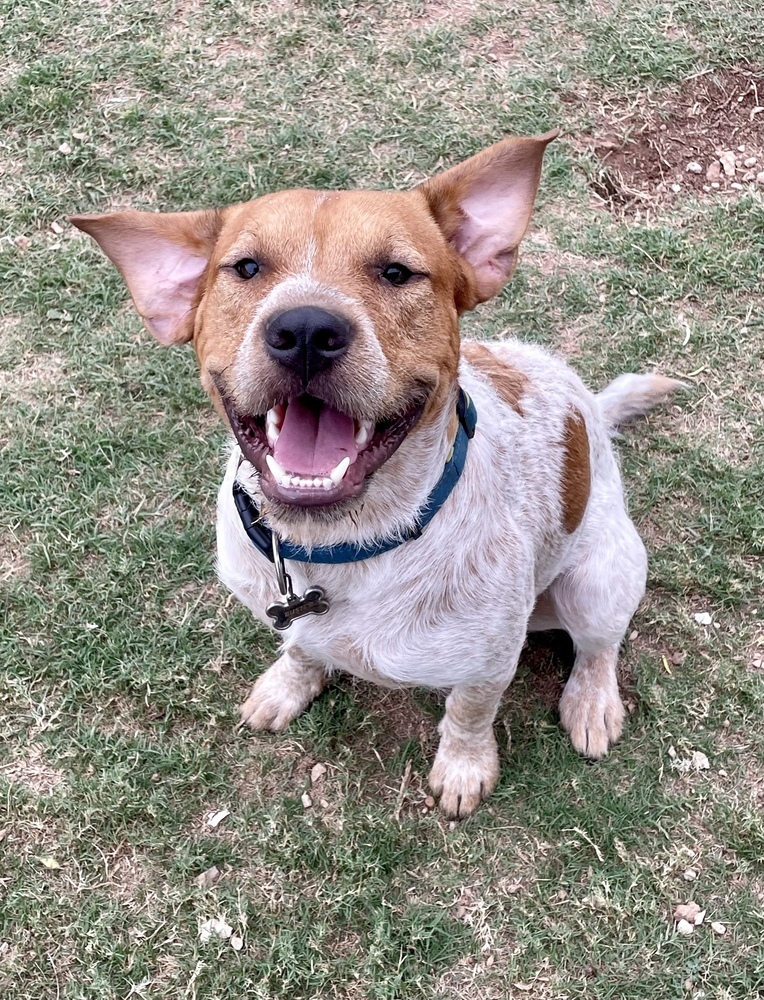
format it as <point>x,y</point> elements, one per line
<point>307,340</point>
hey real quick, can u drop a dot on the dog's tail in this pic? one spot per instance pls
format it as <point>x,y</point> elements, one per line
<point>631,396</point>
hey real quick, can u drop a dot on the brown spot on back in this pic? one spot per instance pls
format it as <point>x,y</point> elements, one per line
<point>576,471</point>
<point>506,380</point>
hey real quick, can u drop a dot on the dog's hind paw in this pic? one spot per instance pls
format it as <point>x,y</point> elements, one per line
<point>282,693</point>
<point>462,776</point>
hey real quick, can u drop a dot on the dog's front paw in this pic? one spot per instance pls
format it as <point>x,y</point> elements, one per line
<point>282,693</point>
<point>464,774</point>
<point>592,716</point>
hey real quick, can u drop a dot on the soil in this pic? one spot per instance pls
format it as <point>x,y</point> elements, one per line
<point>711,118</point>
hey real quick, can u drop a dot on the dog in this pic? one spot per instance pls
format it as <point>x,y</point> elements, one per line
<point>402,506</point>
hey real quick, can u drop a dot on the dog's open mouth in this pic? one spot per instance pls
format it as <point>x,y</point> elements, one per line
<point>309,454</point>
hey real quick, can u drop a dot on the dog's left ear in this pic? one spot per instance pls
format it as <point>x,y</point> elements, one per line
<point>484,205</point>
<point>162,257</point>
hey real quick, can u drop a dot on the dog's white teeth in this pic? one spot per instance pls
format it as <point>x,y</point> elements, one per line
<point>273,421</point>
<point>338,473</point>
<point>327,483</point>
<point>276,471</point>
<point>364,433</point>
<point>286,481</point>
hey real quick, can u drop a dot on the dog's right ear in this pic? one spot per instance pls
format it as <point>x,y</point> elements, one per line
<point>162,258</point>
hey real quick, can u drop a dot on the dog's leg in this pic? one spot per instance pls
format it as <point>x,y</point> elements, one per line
<point>594,602</point>
<point>284,691</point>
<point>466,765</point>
<point>591,711</point>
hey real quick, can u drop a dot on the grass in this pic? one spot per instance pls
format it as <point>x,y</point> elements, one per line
<point>121,659</point>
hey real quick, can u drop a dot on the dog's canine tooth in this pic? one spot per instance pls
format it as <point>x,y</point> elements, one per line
<point>275,469</point>
<point>275,415</point>
<point>338,472</point>
<point>364,433</point>
<point>273,420</point>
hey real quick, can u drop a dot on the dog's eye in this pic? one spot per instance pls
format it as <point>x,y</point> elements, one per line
<point>246,268</point>
<point>396,274</point>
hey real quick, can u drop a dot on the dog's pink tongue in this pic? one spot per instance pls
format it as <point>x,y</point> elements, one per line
<point>314,438</point>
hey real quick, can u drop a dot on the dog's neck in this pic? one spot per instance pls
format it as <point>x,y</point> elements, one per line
<point>394,497</point>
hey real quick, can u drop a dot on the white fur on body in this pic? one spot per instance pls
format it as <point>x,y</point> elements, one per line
<point>452,608</point>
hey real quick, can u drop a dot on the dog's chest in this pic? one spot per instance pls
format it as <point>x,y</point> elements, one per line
<point>410,618</point>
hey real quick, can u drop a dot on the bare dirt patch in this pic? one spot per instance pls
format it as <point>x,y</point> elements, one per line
<point>708,138</point>
<point>33,772</point>
<point>37,376</point>
<point>14,562</point>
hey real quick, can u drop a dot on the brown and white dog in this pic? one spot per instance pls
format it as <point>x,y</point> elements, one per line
<point>326,324</point>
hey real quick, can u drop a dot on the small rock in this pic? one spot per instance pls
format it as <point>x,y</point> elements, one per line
<point>214,928</point>
<point>676,188</point>
<point>715,185</point>
<point>22,242</point>
<point>671,752</point>
<point>699,761</point>
<point>703,618</point>
<point>699,918</point>
<point>749,161</point>
<point>690,875</point>
<point>741,149</point>
<point>736,186</point>
<point>317,772</point>
<point>713,171</point>
<point>80,136</point>
<point>685,927</point>
<point>677,658</point>
<point>306,800</point>
<point>760,178</point>
<point>237,943</point>
<point>324,803</point>
<point>687,911</point>
<point>215,819</point>
<point>57,228</point>
<point>633,635</point>
<point>208,878</point>
<point>430,802</point>
<point>65,148</point>
<point>693,167</point>
<point>718,928</point>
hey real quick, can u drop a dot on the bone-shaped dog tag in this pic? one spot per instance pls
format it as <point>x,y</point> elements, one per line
<point>283,613</point>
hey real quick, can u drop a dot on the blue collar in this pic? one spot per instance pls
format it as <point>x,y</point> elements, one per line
<point>261,536</point>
